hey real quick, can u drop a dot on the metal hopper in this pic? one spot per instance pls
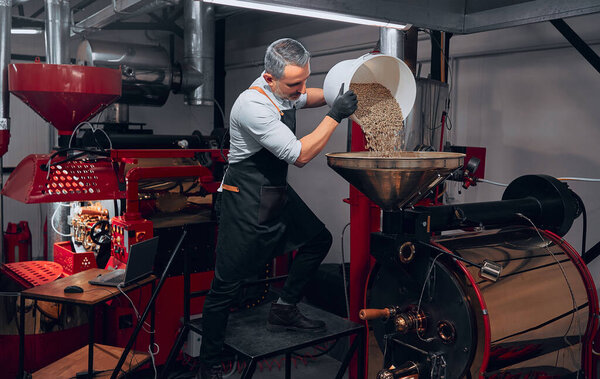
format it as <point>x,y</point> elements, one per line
<point>64,95</point>
<point>397,181</point>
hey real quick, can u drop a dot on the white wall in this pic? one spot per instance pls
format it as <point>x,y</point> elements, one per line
<point>29,135</point>
<point>531,100</point>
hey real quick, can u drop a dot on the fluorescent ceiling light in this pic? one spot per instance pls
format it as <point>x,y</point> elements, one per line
<point>26,31</point>
<point>298,11</point>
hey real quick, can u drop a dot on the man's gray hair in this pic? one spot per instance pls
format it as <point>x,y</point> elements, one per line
<point>283,52</point>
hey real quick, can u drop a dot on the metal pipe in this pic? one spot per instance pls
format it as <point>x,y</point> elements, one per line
<point>117,113</point>
<point>146,70</point>
<point>452,217</point>
<point>57,52</point>
<point>151,141</point>
<point>199,53</point>
<point>5,26</point>
<point>57,31</point>
<point>391,42</point>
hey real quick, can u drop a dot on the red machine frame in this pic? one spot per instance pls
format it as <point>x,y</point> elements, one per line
<point>131,227</point>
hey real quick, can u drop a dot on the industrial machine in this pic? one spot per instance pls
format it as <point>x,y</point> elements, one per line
<point>67,96</point>
<point>473,290</point>
<point>115,197</point>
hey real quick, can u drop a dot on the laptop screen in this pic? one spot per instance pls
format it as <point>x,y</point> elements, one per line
<point>141,260</point>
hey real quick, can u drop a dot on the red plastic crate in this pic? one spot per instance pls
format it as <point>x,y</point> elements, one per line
<point>71,261</point>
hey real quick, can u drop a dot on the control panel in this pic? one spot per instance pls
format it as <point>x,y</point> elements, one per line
<point>125,233</point>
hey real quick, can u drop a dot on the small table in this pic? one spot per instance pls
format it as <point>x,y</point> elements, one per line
<point>247,335</point>
<point>91,296</point>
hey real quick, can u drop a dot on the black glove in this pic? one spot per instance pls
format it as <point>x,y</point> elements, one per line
<point>344,105</point>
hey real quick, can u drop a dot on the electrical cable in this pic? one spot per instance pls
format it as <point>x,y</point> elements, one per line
<point>421,296</point>
<point>60,151</point>
<point>152,354</point>
<point>344,273</point>
<point>137,314</point>
<point>225,125</point>
<point>94,129</point>
<point>564,276</point>
<point>449,125</point>
<point>448,62</point>
<point>107,290</point>
<point>220,110</point>
<point>52,221</point>
<point>492,182</point>
<point>77,128</point>
<point>584,213</point>
<point>580,179</point>
<point>69,159</point>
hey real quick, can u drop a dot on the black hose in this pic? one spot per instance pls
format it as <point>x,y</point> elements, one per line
<point>584,236</point>
<point>69,159</point>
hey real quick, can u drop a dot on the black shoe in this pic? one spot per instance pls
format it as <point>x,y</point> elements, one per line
<point>288,317</point>
<point>210,372</point>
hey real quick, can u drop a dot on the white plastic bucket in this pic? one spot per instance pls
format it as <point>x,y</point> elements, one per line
<point>386,70</point>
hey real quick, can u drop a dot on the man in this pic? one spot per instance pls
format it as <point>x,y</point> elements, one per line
<point>260,215</point>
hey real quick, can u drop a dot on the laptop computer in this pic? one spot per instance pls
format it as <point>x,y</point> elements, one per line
<point>140,264</point>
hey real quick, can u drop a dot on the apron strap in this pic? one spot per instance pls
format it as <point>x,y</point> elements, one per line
<point>264,93</point>
<point>227,187</point>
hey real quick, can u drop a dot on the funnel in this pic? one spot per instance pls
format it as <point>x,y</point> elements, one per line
<point>64,95</point>
<point>397,181</point>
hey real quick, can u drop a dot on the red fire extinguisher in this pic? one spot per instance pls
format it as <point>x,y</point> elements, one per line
<point>17,242</point>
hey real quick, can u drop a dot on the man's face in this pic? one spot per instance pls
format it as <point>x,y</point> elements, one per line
<point>292,84</point>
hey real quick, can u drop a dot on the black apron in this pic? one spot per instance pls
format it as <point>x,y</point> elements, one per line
<point>261,216</point>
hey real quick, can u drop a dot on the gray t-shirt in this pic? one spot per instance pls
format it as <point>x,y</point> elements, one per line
<point>255,124</point>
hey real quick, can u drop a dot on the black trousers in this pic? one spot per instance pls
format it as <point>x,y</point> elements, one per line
<point>223,293</point>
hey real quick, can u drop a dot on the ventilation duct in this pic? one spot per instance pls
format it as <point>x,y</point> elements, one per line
<point>146,71</point>
<point>57,36</point>
<point>198,76</point>
<point>391,42</point>
<point>57,31</point>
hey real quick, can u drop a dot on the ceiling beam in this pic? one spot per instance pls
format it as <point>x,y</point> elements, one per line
<point>111,14</point>
<point>455,16</point>
<point>119,25</point>
<point>27,22</point>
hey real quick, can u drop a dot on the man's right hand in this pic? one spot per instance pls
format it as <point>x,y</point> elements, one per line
<point>344,105</point>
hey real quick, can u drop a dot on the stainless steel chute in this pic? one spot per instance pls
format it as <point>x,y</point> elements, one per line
<point>396,181</point>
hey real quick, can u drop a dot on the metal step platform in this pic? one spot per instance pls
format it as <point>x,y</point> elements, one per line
<point>248,337</point>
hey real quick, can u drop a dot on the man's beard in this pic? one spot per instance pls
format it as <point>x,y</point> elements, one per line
<point>278,93</point>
